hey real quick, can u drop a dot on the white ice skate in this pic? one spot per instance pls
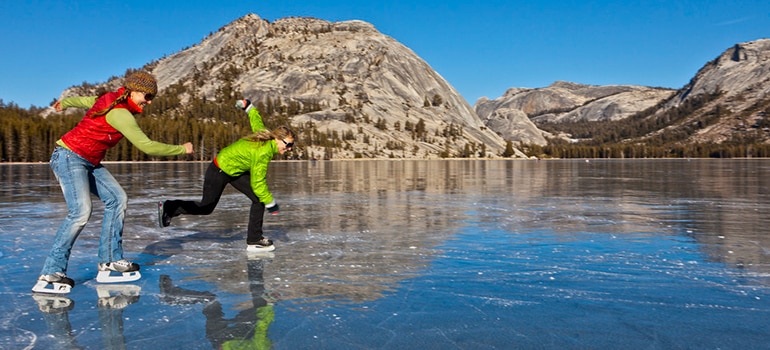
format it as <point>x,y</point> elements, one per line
<point>262,246</point>
<point>117,296</point>
<point>57,283</point>
<point>107,290</point>
<point>124,271</point>
<point>53,304</point>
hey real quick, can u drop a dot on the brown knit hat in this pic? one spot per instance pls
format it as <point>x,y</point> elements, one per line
<point>142,82</point>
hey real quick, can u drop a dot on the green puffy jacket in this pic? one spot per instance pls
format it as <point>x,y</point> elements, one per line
<point>248,156</point>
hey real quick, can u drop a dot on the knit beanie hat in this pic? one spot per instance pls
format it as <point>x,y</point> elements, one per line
<point>142,82</point>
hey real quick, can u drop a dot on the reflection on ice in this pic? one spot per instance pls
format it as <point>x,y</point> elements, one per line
<point>412,255</point>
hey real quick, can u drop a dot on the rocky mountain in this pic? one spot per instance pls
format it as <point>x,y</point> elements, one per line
<point>728,99</point>
<point>375,98</point>
<point>344,79</point>
<point>516,113</point>
<point>737,83</point>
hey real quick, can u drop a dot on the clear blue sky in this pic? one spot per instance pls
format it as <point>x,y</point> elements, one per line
<point>481,47</point>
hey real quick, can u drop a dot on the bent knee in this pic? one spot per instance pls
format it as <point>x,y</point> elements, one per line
<point>117,199</point>
<point>80,217</point>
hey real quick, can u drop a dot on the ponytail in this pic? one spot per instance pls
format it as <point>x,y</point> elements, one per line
<point>267,135</point>
<point>261,136</point>
<point>123,97</point>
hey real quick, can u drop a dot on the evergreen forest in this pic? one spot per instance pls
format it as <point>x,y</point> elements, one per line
<point>29,137</point>
<point>646,135</point>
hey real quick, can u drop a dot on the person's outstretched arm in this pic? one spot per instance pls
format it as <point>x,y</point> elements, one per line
<point>254,118</point>
<point>74,102</point>
<point>123,121</point>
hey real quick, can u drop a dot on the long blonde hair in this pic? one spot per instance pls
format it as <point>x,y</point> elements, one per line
<point>280,132</point>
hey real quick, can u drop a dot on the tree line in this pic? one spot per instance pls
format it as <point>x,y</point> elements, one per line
<point>646,135</point>
<point>27,136</point>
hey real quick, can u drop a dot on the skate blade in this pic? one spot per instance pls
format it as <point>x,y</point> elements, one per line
<point>259,249</point>
<point>107,277</point>
<point>51,288</point>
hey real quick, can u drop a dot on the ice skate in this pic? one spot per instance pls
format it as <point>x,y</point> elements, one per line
<point>163,219</point>
<point>271,297</point>
<point>263,245</point>
<point>57,283</point>
<point>53,304</point>
<point>117,296</point>
<point>118,271</point>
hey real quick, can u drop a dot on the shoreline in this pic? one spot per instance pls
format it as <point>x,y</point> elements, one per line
<point>410,159</point>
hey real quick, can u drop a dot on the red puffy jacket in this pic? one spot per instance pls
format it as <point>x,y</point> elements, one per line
<point>93,136</point>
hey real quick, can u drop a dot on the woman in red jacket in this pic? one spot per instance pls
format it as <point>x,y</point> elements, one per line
<point>76,162</point>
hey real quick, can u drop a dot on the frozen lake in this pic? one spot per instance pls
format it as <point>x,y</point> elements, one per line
<point>444,254</point>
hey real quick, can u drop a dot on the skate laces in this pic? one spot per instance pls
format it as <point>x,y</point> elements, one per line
<point>54,277</point>
<point>122,265</point>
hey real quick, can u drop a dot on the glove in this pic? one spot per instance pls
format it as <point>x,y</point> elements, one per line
<point>273,210</point>
<point>243,104</point>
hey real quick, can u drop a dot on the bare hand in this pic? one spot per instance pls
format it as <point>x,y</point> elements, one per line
<point>188,148</point>
<point>57,106</point>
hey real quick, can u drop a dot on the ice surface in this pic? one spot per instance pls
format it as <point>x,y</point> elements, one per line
<point>411,255</point>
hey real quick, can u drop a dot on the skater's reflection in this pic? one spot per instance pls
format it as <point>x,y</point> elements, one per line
<point>112,300</point>
<point>55,309</point>
<point>248,329</point>
<point>174,295</point>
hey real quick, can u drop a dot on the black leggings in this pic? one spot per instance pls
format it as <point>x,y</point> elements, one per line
<point>213,185</point>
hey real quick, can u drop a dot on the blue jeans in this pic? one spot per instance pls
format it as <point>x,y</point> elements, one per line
<point>79,179</point>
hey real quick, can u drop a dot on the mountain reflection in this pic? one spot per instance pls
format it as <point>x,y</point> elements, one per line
<point>353,230</point>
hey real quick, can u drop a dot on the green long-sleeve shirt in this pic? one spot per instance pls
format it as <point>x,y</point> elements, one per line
<point>124,122</point>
